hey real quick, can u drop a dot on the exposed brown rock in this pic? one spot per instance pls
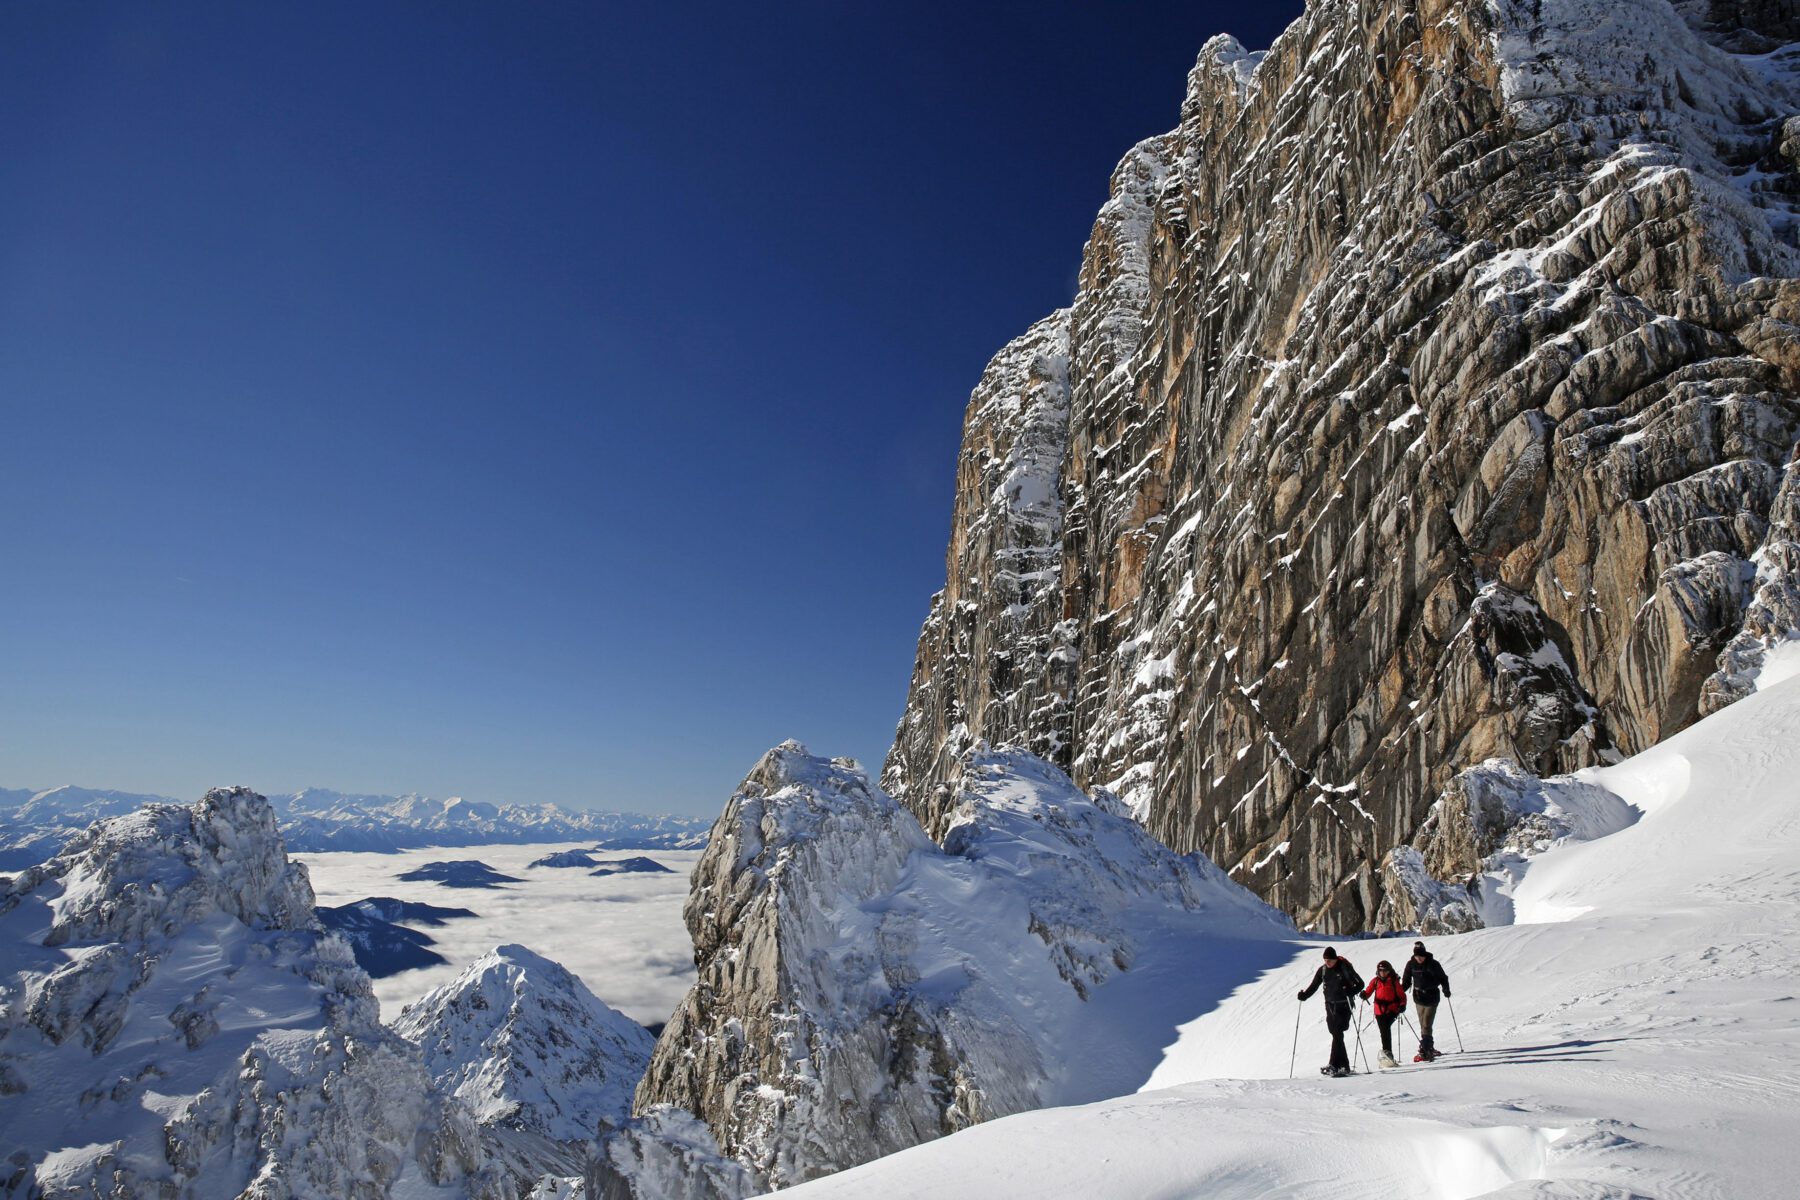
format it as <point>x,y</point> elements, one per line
<point>1429,397</point>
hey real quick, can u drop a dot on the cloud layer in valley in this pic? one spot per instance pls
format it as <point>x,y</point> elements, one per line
<point>622,934</point>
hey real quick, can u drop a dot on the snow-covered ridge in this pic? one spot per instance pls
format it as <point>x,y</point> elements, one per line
<point>862,990</point>
<point>170,1014</point>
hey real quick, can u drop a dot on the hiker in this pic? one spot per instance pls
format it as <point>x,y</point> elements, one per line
<point>1424,978</point>
<point>1342,985</point>
<point>1390,1001</point>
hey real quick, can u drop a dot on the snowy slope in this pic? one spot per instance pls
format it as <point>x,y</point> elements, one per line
<point>1632,1034</point>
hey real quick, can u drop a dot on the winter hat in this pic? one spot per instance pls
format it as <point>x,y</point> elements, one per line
<point>1330,954</point>
<point>1419,948</point>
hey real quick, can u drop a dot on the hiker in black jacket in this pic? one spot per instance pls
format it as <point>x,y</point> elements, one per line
<point>1424,978</point>
<point>1342,986</point>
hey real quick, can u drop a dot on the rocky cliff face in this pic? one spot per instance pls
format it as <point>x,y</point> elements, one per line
<point>862,990</point>
<point>1429,399</point>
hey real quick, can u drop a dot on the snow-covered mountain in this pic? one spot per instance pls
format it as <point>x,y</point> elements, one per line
<point>35,825</point>
<point>862,989</point>
<point>1418,462</point>
<point>543,1065</point>
<point>459,873</point>
<point>175,1022</point>
<point>317,819</point>
<point>635,865</point>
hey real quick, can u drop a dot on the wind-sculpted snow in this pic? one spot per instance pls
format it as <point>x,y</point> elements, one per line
<point>862,990</point>
<point>1480,838</point>
<point>176,1024</point>
<point>1430,397</point>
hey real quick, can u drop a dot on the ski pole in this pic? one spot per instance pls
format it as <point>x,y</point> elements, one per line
<point>1359,1044</point>
<point>1454,1025</point>
<point>1299,1009</point>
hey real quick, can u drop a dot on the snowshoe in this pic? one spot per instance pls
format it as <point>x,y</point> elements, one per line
<point>1420,1057</point>
<point>1387,1060</point>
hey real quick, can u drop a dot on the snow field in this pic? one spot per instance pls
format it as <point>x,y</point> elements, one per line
<point>1636,1034</point>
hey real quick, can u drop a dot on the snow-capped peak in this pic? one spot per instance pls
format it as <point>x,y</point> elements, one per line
<point>525,1045</point>
<point>150,872</point>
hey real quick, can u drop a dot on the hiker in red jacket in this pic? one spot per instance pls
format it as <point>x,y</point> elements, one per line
<point>1390,1002</point>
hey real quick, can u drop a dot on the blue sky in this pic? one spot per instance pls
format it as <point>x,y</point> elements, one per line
<point>544,402</point>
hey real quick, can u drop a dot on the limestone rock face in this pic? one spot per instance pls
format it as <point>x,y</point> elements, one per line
<point>989,666</point>
<point>1429,398</point>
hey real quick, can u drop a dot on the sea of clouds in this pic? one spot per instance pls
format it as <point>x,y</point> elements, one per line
<point>622,934</point>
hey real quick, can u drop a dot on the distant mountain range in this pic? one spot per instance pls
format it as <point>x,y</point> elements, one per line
<point>35,825</point>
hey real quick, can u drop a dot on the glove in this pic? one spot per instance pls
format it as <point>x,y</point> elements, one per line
<point>1302,996</point>
<point>1446,993</point>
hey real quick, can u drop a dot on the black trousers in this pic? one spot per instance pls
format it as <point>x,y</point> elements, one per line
<point>1386,1025</point>
<point>1337,1020</point>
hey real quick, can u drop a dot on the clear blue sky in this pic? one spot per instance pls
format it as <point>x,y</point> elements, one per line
<point>535,402</point>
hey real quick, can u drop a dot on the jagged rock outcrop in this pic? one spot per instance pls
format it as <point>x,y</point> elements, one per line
<point>862,990</point>
<point>1429,395</point>
<point>174,1023</point>
<point>1475,845</point>
<point>665,1153</point>
<point>1772,618</point>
